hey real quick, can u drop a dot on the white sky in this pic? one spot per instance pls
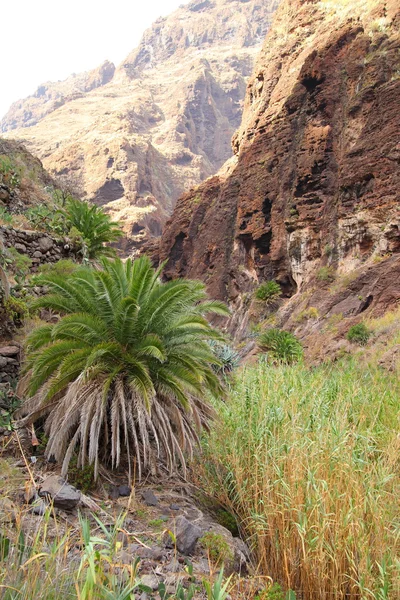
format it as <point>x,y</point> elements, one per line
<point>47,40</point>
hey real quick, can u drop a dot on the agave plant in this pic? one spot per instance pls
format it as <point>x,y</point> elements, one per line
<point>94,225</point>
<point>125,370</point>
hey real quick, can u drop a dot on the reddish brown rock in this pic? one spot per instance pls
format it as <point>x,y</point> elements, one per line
<point>316,175</point>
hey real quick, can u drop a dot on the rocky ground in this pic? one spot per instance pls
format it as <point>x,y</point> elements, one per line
<point>167,527</point>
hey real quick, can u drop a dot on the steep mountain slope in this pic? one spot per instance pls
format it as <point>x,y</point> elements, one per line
<point>162,122</point>
<point>316,175</point>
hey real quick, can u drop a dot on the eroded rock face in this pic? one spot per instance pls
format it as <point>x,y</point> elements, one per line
<point>162,122</point>
<point>316,175</point>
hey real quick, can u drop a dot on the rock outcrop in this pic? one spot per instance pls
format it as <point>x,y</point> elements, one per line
<point>161,123</point>
<point>314,182</point>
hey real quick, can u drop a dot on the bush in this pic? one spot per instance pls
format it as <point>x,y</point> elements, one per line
<point>359,334</point>
<point>91,228</point>
<point>217,547</point>
<point>326,274</point>
<point>62,267</point>
<point>47,218</point>
<point>281,346</point>
<point>268,291</point>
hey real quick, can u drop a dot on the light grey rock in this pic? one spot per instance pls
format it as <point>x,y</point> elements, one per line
<point>20,247</point>
<point>150,581</point>
<point>45,243</point>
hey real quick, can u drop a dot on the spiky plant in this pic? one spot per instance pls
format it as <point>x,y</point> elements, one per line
<point>281,346</point>
<point>94,225</point>
<point>125,370</point>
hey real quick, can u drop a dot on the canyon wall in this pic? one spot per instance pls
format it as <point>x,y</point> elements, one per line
<point>315,178</point>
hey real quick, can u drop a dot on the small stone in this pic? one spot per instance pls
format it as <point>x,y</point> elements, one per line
<point>45,243</point>
<point>3,361</point>
<point>174,506</point>
<point>9,351</point>
<point>20,247</point>
<point>39,508</point>
<point>149,498</point>
<point>150,581</point>
<point>37,254</point>
<point>124,490</point>
<point>114,493</point>
<point>62,494</point>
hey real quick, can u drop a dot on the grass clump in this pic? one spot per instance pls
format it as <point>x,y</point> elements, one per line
<point>281,346</point>
<point>320,509</point>
<point>359,334</point>
<point>268,291</point>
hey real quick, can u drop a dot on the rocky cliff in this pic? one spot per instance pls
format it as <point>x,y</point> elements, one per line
<point>314,183</point>
<point>137,136</point>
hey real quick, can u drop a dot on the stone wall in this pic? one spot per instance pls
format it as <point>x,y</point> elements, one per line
<point>10,358</point>
<point>39,246</point>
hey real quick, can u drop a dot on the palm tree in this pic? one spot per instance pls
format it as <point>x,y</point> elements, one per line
<point>94,225</point>
<point>125,370</point>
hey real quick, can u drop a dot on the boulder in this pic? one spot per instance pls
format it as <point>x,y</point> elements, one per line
<point>62,494</point>
<point>186,535</point>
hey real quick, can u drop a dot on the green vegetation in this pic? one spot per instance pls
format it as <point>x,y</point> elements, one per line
<point>47,218</point>
<point>217,548</point>
<point>307,314</point>
<point>10,173</point>
<point>93,226</point>
<point>320,508</point>
<point>281,346</point>
<point>128,362</point>
<point>228,358</point>
<point>62,268</point>
<point>326,274</point>
<point>359,334</point>
<point>269,291</point>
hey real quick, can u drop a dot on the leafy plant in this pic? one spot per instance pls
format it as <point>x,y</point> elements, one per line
<point>359,334</point>
<point>268,291</point>
<point>127,364</point>
<point>16,310</point>
<point>10,173</point>
<point>81,477</point>
<point>63,268</point>
<point>5,216</point>
<point>217,547</point>
<point>275,592</point>
<point>218,590</point>
<point>94,228</point>
<point>47,218</point>
<point>281,346</point>
<point>228,358</point>
<point>307,314</point>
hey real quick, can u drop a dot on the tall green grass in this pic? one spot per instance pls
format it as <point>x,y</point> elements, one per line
<point>309,462</point>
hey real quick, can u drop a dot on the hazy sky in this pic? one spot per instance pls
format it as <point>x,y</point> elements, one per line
<point>47,40</point>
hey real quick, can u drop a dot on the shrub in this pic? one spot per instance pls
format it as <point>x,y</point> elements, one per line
<point>5,216</point>
<point>268,291</point>
<point>10,173</point>
<point>64,267</point>
<point>93,226</point>
<point>281,346</point>
<point>308,313</point>
<point>326,274</point>
<point>217,548</point>
<point>125,370</point>
<point>47,218</point>
<point>16,310</point>
<point>359,334</point>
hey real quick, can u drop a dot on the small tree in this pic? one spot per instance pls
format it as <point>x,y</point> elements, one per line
<point>126,369</point>
<point>93,227</point>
